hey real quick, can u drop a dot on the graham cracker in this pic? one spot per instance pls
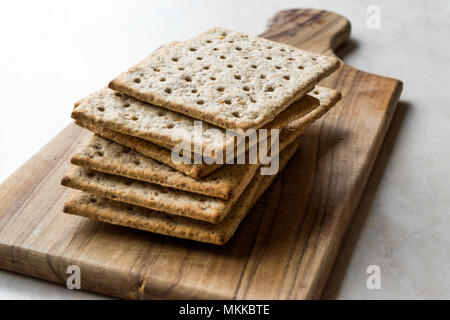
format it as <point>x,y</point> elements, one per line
<point>229,79</point>
<point>152,150</point>
<point>114,111</point>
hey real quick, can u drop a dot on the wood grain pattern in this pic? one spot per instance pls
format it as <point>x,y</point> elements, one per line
<point>284,249</point>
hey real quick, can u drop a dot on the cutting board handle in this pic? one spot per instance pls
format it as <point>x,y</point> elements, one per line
<point>319,31</point>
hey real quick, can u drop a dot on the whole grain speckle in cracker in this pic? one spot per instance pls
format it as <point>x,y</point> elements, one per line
<point>230,79</point>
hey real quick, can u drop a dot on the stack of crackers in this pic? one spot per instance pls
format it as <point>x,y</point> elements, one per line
<point>126,173</point>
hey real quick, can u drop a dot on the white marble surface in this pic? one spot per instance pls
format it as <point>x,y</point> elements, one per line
<point>53,52</point>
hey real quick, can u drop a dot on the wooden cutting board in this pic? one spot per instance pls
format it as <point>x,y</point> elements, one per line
<point>284,249</point>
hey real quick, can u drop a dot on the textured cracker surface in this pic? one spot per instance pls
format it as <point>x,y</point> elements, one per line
<point>106,156</point>
<point>230,79</point>
<point>112,110</point>
<point>114,212</point>
<point>148,195</point>
<point>151,150</point>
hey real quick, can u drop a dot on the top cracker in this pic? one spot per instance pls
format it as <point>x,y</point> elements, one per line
<point>230,79</point>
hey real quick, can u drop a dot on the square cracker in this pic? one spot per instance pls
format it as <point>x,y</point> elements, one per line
<point>230,79</point>
<point>152,150</point>
<point>106,156</point>
<point>114,212</point>
<point>114,111</point>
